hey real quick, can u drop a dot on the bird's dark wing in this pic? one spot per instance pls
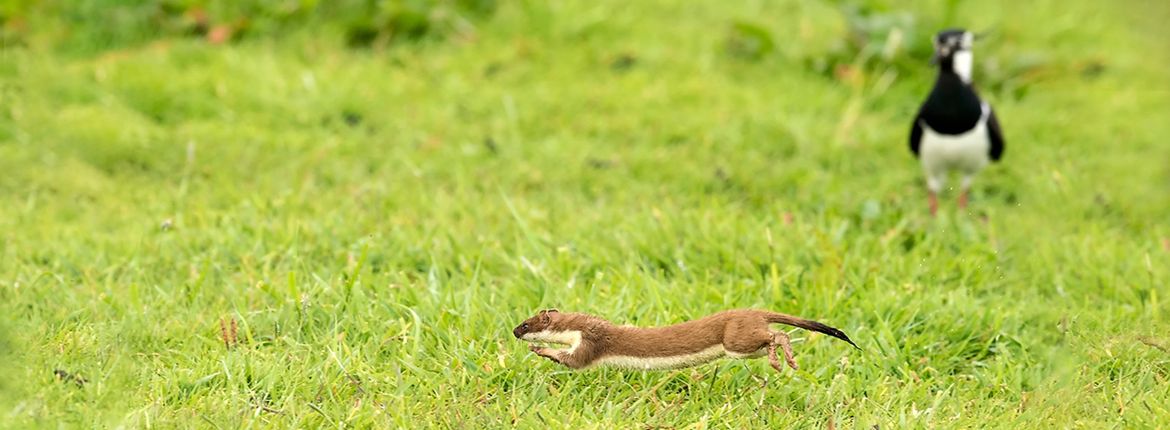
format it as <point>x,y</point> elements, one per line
<point>916,135</point>
<point>996,136</point>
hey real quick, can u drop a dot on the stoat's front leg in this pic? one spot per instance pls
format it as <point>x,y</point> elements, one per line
<point>578,359</point>
<point>549,353</point>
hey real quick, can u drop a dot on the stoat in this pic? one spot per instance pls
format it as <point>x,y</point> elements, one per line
<point>591,340</point>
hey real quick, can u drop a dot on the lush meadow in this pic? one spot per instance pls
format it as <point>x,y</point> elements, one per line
<point>236,218</point>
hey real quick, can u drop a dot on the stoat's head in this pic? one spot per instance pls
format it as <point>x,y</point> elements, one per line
<point>952,51</point>
<point>535,329</point>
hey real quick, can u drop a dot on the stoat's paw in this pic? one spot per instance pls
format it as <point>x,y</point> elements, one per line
<point>544,352</point>
<point>556,355</point>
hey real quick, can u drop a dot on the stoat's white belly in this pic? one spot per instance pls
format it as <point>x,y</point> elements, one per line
<point>660,363</point>
<point>967,153</point>
<point>572,338</point>
<point>674,362</point>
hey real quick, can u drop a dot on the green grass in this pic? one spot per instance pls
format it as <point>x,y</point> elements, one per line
<point>376,266</point>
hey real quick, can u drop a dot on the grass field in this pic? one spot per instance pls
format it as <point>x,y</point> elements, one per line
<point>376,220</point>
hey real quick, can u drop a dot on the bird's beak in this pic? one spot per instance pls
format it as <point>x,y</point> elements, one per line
<point>939,53</point>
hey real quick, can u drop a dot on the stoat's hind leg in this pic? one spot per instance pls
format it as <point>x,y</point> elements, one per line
<point>746,343</point>
<point>780,339</point>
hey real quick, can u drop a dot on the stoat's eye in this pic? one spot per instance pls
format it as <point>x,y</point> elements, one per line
<point>524,326</point>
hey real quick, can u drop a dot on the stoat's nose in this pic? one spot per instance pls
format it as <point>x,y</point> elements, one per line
<point>516,332</point>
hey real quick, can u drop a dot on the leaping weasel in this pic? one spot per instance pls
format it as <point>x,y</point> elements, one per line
<point>591,340</point>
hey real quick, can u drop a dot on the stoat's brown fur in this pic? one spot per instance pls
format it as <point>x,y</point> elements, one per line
<point>740,333</point>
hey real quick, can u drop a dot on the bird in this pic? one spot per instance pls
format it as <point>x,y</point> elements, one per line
<point>955,130</point>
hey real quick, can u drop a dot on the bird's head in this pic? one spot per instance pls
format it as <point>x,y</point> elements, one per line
<point>947,43</point>
<point>952,52</point>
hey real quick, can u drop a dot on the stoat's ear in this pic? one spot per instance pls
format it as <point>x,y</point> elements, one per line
<point>544,317</point>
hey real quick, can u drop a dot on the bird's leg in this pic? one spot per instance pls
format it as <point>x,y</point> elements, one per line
<point>964,188</point>
<point>934,184</point>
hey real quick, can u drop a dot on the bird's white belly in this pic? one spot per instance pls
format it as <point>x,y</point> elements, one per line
<point>967,153</point>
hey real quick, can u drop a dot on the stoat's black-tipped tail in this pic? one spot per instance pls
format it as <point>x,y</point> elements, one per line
<point>818,327</point>
<point>776,317</point>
